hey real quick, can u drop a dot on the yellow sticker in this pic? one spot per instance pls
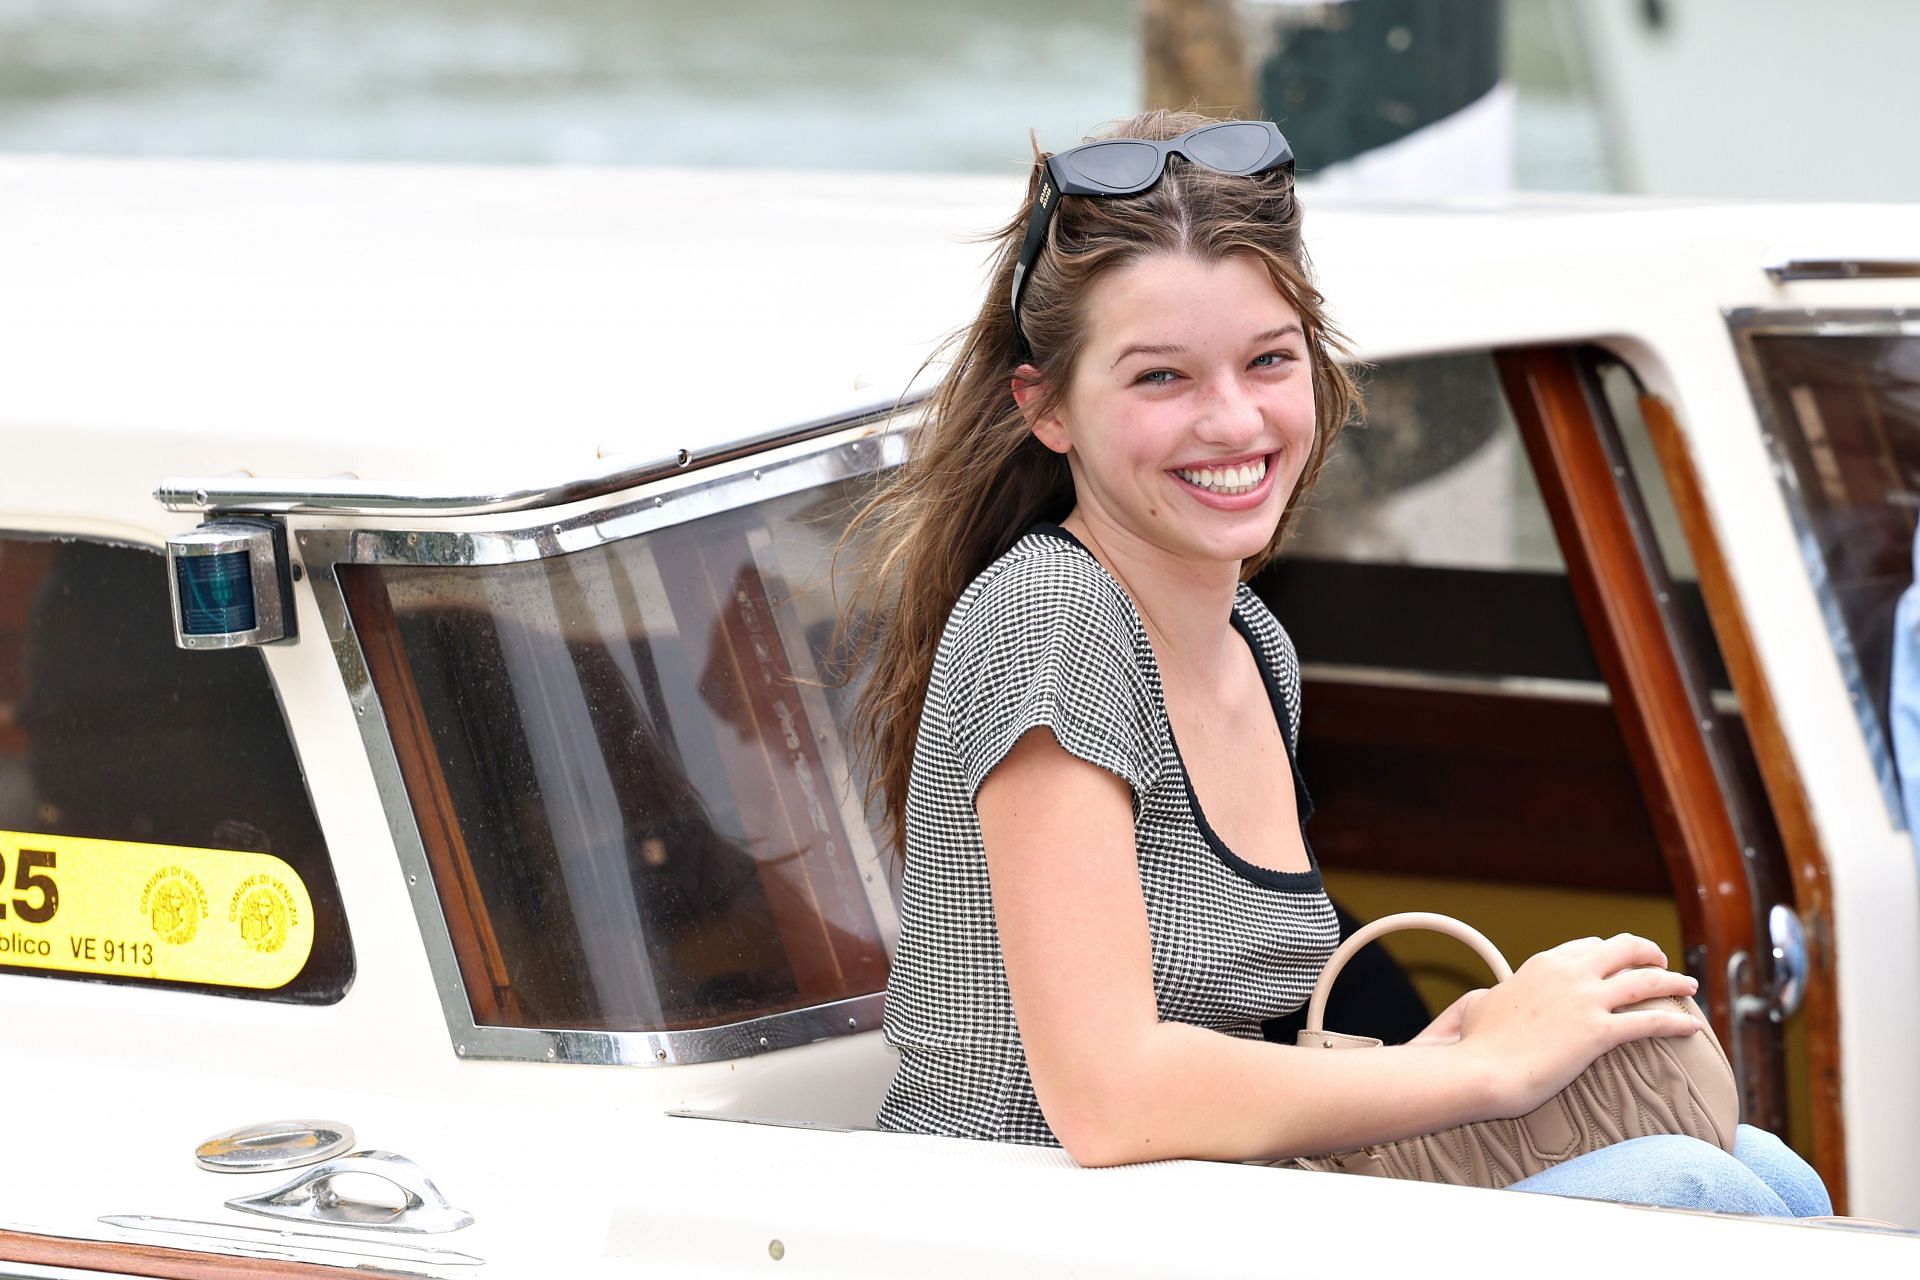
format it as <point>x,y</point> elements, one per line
<point>159,911</point>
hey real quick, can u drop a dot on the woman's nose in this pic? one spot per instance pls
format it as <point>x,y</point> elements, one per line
<point>1231,414</point>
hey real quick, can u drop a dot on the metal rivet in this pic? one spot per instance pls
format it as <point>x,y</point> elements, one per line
<point>661,1054</point>
<point>776,1250</point>
<point>763,1042</point>
<point>1706,726</point>
<point>1400,39</point>
<point>460,1049</point>
<point>360,711</point>
<point>1662,596</point>
<point>552,1053</point>
<point>756,475</point>
<point>413,539</point>
<point>659,502</point>
<point>412,878</point>
<point>685,457</point>
<point>200,497</point>
<point>853,1023</point>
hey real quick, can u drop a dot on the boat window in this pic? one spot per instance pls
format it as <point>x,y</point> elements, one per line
<point>1455,720</point>
<point>155,826</point>
<point>628,773</point>
<point>1426,547</point>
<point>1845,412</point>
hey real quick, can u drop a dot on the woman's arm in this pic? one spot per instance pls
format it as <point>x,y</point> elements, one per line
<point>1117,1085</point>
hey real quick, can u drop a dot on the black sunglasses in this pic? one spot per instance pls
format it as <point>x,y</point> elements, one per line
<point>1128,166</point>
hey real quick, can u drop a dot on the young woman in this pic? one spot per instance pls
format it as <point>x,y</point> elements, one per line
<point>1083,722</point>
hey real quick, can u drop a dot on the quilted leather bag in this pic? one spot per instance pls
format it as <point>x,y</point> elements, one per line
<point>1658,1085</point>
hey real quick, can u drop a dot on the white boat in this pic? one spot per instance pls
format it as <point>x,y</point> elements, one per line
<point>528,853</point>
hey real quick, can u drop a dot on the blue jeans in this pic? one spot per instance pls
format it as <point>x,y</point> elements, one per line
<point>1762,1176</point>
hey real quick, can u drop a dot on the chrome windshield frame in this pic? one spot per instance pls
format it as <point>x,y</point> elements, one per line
<point>349,496</point>
<point>1745,324</point>
<point>790,463</point>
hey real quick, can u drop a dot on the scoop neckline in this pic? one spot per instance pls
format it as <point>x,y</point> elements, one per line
<point>1296,881</point>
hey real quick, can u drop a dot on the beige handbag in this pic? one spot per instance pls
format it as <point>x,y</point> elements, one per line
<point>1663,1084</point>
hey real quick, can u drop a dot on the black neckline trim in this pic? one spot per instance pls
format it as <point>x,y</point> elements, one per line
<point>1295,881</point>
<point>1048,529</point>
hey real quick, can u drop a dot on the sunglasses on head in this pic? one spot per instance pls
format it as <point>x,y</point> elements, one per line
<point>1128,166</point>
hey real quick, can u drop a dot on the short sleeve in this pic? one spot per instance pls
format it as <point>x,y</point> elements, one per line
<point>1048,640</point>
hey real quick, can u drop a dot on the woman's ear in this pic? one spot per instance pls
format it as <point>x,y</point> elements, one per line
<point>1029,392</point>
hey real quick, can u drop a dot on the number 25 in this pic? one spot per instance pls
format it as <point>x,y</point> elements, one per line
<point>26,878</point>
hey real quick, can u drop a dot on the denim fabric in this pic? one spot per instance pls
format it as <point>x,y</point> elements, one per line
<point>1762,1176</point>
<point>1903,698</point>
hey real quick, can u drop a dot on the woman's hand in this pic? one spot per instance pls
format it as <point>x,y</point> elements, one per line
<point>1445,1029</point>
<point>1562,1009</point>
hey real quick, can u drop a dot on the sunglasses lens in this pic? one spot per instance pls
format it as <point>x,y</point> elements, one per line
<point>1231,148</point>
<point>1117,166</point>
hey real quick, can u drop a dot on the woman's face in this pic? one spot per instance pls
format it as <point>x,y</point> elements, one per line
<point>1190,414</point>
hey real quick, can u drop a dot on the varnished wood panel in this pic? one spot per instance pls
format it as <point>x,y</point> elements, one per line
<point>1629,637</point>
<point>1785,792</point>
<point>1482,785</point>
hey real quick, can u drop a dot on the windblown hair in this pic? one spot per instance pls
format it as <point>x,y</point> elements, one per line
<point>976,478</point>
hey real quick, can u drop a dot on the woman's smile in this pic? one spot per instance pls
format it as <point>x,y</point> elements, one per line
<point>1230,484</point>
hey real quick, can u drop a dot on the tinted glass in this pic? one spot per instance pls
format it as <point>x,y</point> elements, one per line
<point>1115,164</point>
<point>1847,413</point>
<point>628,774</point>
<point>1426,546</point>
<point>108,732</point>
<point>1234,148</point>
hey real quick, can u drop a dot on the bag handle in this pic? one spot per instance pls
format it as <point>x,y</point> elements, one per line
<point>1317,1007</point>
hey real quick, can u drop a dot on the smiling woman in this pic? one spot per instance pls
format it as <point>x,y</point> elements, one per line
<point>1084,725</point>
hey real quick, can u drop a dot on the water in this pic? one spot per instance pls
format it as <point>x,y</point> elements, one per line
<point>816,84</point>
<point>845,84</point>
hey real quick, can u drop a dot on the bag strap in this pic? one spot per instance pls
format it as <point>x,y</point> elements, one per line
<point>1317,1007</point>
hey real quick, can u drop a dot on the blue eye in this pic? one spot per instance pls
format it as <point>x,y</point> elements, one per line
<point>1274,359</point>
<point>1157,377</point>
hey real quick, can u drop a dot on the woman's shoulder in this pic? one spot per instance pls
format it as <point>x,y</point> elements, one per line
<point>1047,579</point>
<point>1265,628</point>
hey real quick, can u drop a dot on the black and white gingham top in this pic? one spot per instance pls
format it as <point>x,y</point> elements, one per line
<point>1045,636</point>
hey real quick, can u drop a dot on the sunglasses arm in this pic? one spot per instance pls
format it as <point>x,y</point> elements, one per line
<point>1038,220</point>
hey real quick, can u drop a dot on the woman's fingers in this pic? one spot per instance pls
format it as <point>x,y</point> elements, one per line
<point>1621,951</point>
<point>1642,1024</point>
<point>1630,986</point>
<point>1446,1027</point>
<point>1628,951</point>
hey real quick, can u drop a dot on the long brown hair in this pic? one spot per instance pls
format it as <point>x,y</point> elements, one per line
<point>976,479</point>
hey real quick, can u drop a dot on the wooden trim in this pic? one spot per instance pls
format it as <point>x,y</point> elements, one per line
<point>1629,635</point>
<point>158,1262</point>
<point>1787,793</point>
<point>476,948</point>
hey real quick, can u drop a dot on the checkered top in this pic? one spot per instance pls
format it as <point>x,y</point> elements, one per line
<point>1045,636</point>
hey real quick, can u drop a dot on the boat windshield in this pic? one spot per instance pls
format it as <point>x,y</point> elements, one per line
<point>627,771</point>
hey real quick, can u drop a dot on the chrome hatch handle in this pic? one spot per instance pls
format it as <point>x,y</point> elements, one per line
<point>314,1197</point>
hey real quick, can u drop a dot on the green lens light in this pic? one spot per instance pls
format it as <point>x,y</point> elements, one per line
<point>216,594</point>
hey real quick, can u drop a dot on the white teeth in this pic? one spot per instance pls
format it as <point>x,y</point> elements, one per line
<point>1227,480</point>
